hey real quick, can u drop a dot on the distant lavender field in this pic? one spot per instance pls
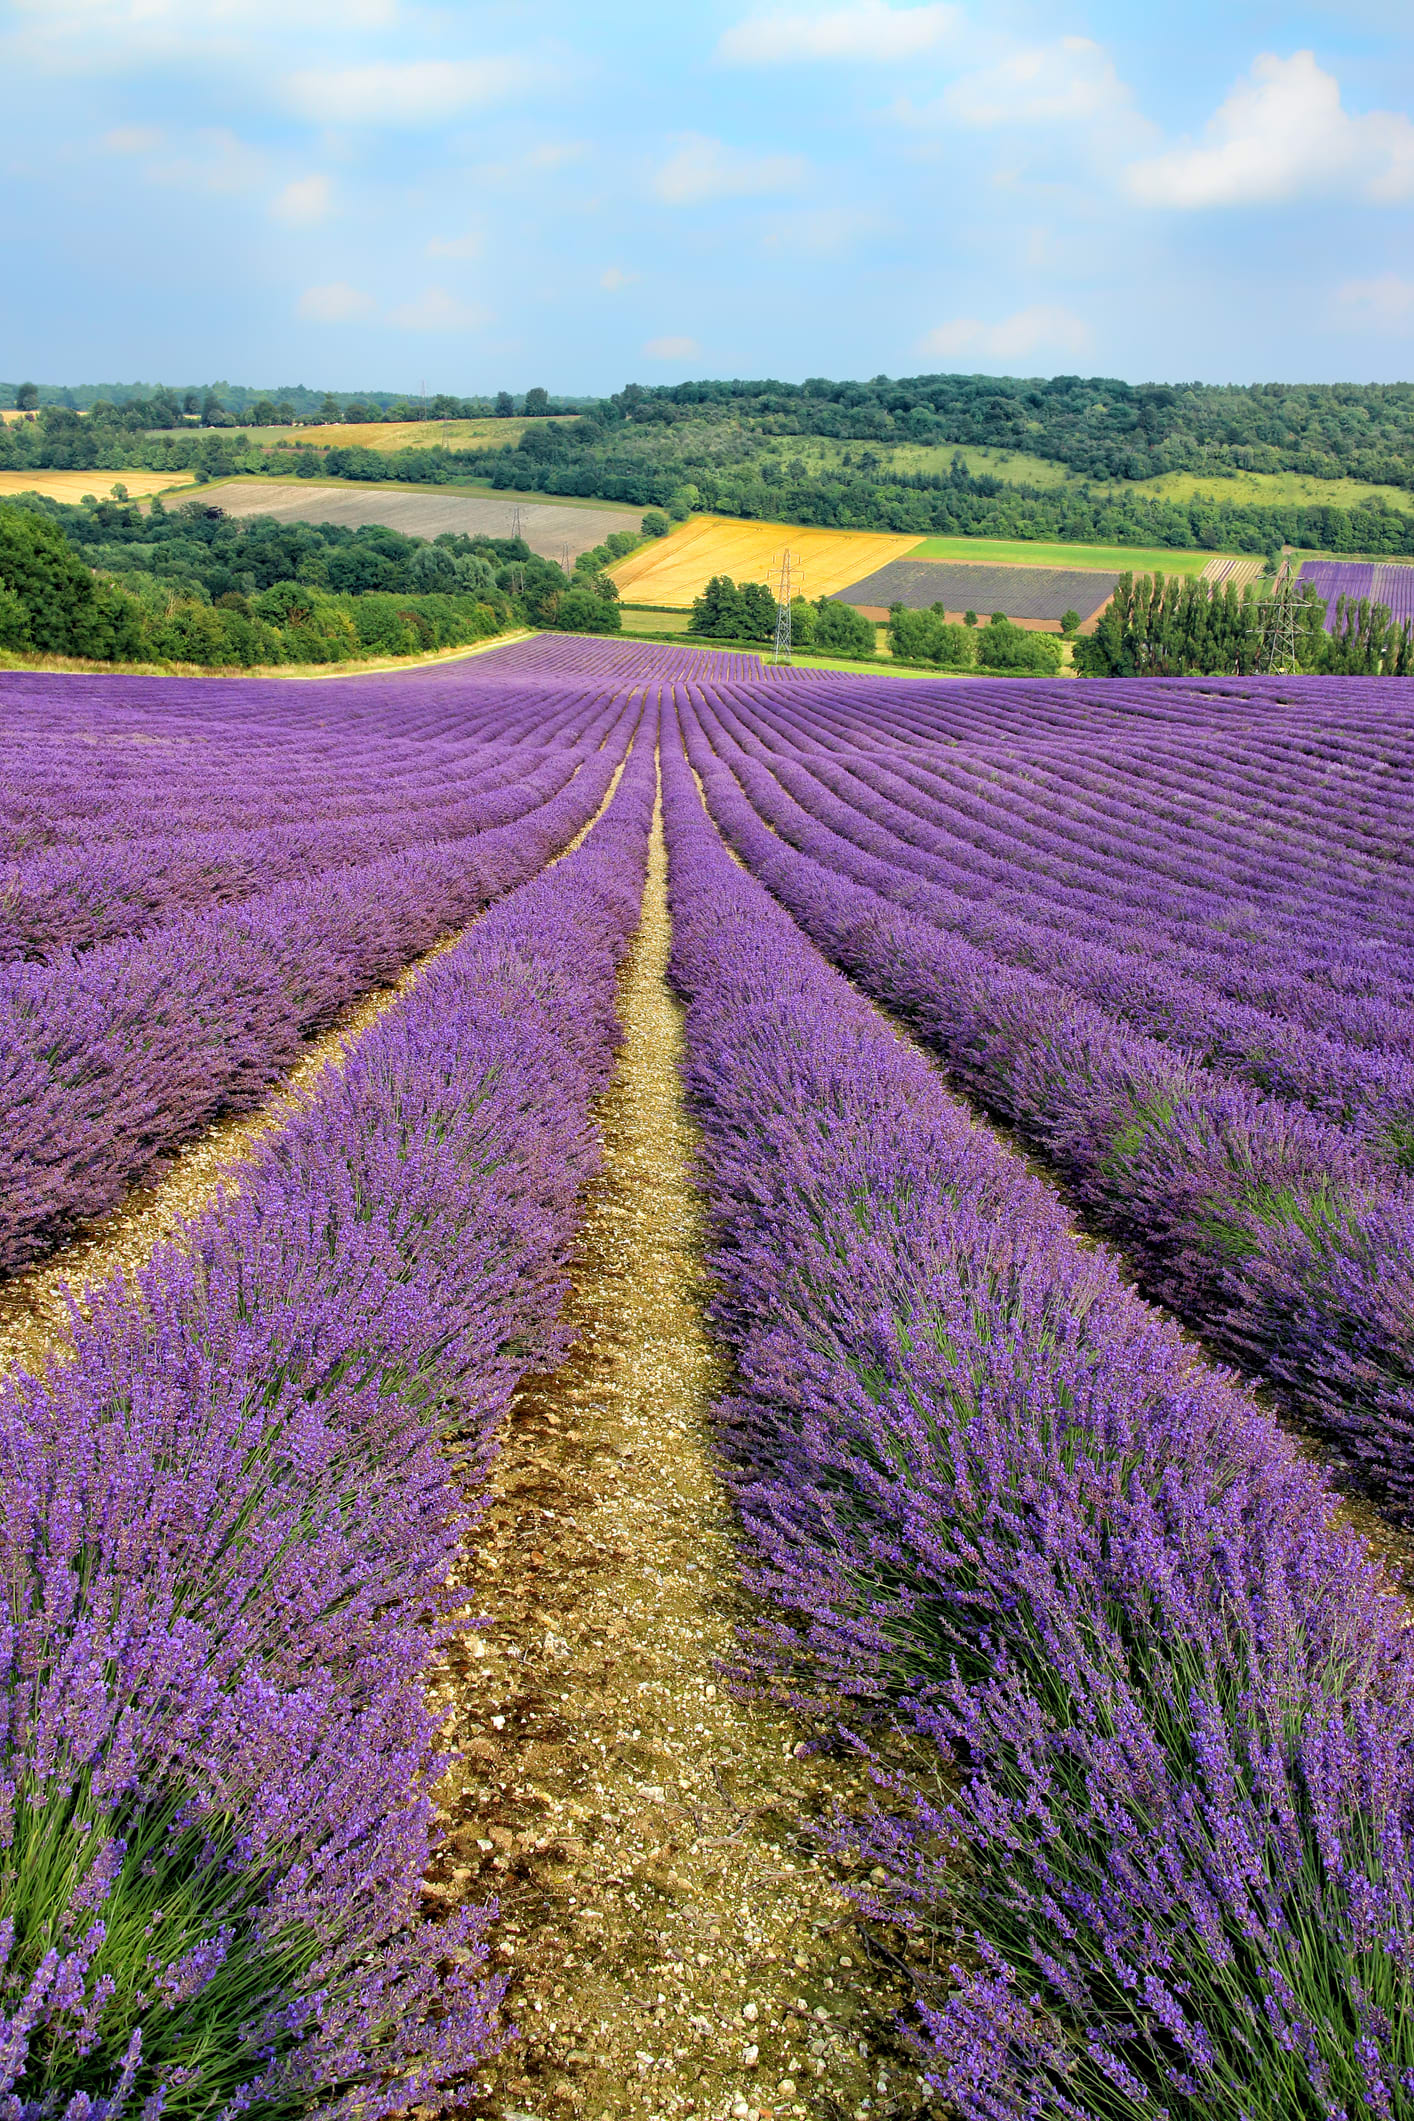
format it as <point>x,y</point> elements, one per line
<point>1380,582</point>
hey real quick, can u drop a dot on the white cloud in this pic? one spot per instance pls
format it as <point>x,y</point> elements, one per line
<point>1013,339</point>
<point>1072,81</point>
<point>133,139</point>
<point>705,169</point>
<point>868,31</point>
<point>303,202</point>
<point>1283,134</point>
<point>409,92</point>
<point>1384,303</point>
<point>334,303</point>
<point>470,245</point>
<point>671,349</point>
<point>437,310</point>
<point>615,278</point>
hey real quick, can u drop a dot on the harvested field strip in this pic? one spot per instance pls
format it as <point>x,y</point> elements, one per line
<point>388,435</point>
<point>1238,572</point>
<point>36,1306</point>
<point>73,485</point>
<point>660,1919</point>
<point>675,569</point>
<point>549,528</point>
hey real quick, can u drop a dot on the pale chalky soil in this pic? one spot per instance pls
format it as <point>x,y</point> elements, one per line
<point>674,1946</point>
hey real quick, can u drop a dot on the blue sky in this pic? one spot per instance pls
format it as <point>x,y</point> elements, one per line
<point>370,193</point>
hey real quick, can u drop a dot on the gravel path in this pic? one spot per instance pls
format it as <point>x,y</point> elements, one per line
<point>675,1946</point>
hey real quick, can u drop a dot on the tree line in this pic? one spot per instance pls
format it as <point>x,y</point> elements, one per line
<point>1178,626</point>
<point>581,457</point>
<point>135,407</point>
<point>1099,427</point>
<point>108,582</point>
<point>1001,647</point>
<point>748,611</point>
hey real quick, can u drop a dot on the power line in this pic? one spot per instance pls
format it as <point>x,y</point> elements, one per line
<point>788,580</point>
<point>1279,657</point>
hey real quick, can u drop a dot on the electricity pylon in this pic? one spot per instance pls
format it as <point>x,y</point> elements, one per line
<point>785,577</point>
<point>1279,657</point>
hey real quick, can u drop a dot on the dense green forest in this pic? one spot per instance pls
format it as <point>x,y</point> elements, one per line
<point>1097,426</point>
<point>192,585</point>
<point>744,449</point>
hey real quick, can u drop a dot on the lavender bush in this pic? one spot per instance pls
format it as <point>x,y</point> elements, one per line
<point>998,1501</point>
<point>1286,1238</point>
<point>226,1534</point>
<point>111,1059</point>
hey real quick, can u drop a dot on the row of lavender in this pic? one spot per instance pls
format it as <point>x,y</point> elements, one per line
<point>113,820</point>
<point>111,1059</point>
<point>1256,1171</point>
<point>1019,903</point>
<point>227,1529</point>
<point>997,1502</point>
<point>1296,818</point>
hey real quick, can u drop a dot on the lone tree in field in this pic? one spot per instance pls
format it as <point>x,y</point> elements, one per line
<point>27,397</point>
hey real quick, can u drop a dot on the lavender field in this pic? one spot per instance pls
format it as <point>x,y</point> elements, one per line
<point>1049,1056</point>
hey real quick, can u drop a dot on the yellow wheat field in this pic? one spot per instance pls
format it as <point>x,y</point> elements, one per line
<point>73,485</point>
<point>675,569</point>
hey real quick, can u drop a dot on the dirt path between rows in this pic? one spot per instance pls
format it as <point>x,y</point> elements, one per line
<point>675,1945</point>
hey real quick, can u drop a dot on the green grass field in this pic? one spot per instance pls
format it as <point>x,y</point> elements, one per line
<point>644,619</point>
<point>1275,487</point>
<point>1025,552</point>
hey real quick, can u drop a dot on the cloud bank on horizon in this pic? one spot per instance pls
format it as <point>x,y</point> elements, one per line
<point>386,193</point>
